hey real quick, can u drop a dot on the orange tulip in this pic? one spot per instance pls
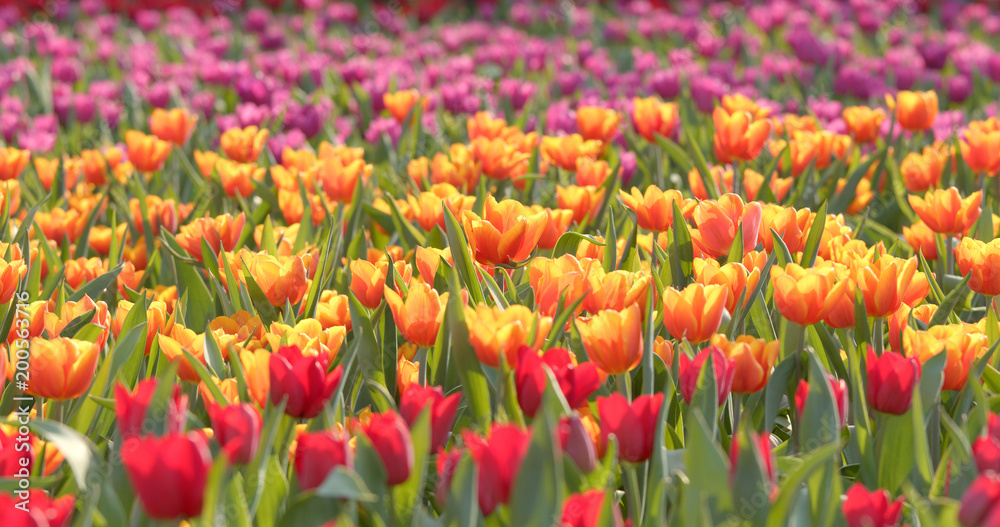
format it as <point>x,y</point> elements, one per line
<point>419,170</point>
<point>982,261</point>
<point>921,239</point>
<point>961,344</point>
<point>229,388</point>
<point>11,274</point>
<point>220,233</point>
<point>791,225</point>
<point>923,171</point>
<point>174,345</point>
<point>300,160</point>
<point>554,279</point>
<point>61,368</point>
<point>863,195</point>
<point>10,191</point>
<point>428,208</point>
<point>206,162</point>
<point>613,339</point>
<point>257,372</point>
<point>915,111</point>
<point>458,167</point>
<point>70,311</point>
<point>842,315</point>
<point>734,276</point>
<point>583,201</point>
<point>243,145</point>
<point>508,232</point>
<point>493,331</point>
<point>281,282</point>
<point>738,135</point>
<point>665,350</point>
<point>400,103</point>
<point>339,180</point>
<point>652,117</point>
<point>563,151</point>
<point>556,223</point>
<point>591,173</point>
<point>173,126</point>
<point>945,211</point>
<point>498,159</point>
<point>309,336</point>
<point>419,317</point>
<point>863,122</point>
<point>654,210</point>
<point>484,125</point>
<point>12,162</point>
<point>879,283</point>
<point>146,152</point>
<point>900,321</point>
<point>238,178</point>
<point>695,313</point>
<point>596,123</point>
<point>718,223</point>
<point>805,296</point>
<point>753,359</point>
<point>741,103</point>
<point>81,270</point>
<point>407,374</point>
<point>367,282</point>
<point>981,150</point>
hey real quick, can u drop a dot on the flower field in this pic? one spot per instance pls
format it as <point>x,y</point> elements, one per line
<point>499,263</point>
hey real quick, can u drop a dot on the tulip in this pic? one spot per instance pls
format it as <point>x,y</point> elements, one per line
<point>237,179</point>
<point>862,508</point>
<point>585,202</point>
<point>945,211</point>
<point>499,159</point>
<point>591,173</point>
<point>507,232</point>
<point>863,122</point>
<point>281,282</point>
<point>741,103</point>
<point>584,510</point>
<point>492,331</point>
<point>738,135</point>
<point>597,124</point>
<point>981,150</point>
<point>891,379</point>
<point>482,124</point>
<point>318,453</point>
<point>915,111</point>
<point>339,180</point>
<point>256,367</point>
<point>615,290</point>
<point>921,239</point>
<point>146,152</point>
<point>982,261</point>
<point>577,443</point>
<point>243,145</point>
<point>173,126</point>
<point>557,280</point>
<point>556,224</point>
<point>61,368</point>
<point>12,162</point>
<point>690,370</point>
<point>419,318</point>
<point>654,210</point>
<point>302,380</point>
<point>652,117</point>
<point>790,224</point>
<point>733,276</point>
<point>806,296</point>
<point>40,509</point>
<point>718,223</point>
<point>664,349</point>
<point>11,274</point>
<point>576,381</point>
<point>613,339</point>
<point>980,505</point>
<point>368,280</point>
<point>14,462</point>
<point>237,428</point>
<point>752,359</point>
<point>442,410</point>
<point>498,460</point>
<point>633,425</point>
<point>840,397</point>
<point>695,313</point>
<point>168,473</point>
<point>131,408</point>
<point>445,464</point>
<point>391,439</point>
<point>761,446</point>
<point>986,452</point>
<point>400,103</point>
<point>879,283</point>
<point>961,346</point>
<point>565,151</point>
<point>428,208</point>
<point>220,233</point>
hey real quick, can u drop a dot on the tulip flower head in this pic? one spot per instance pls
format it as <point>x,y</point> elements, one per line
<point>891,378</point>
<point>507,233</point>
<point>168,473</point>
<point>131,408</point>
<point>840,397</point>
<point>864,508</point>
<point>576,381</point>
<point>690,371</point>
<point>391,439</point>
<point>738,135</point>
<point>695,313</point>
<point>303,380</point>
<point>981,260</point>
<point>416,398</point>
<point>237,428</point>
<point>945,211</point>
<point>633,424</point>
<point>584,509</point>
<point>498,459</point>
<point>613,339</point>
<point>318,453</point>
<point>915,111</point>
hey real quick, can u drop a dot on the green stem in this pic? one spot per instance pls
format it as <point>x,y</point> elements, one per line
<point>632,494</point>
<point>624,381</point>
<point>877,337</point>
<point>948,241</point>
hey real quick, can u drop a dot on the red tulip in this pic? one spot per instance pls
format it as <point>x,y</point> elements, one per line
<point>390,437</point>
<point>498,459</point>
<point>840,397</point>
<point>633,425</point>
<point>131,408</point>
<point>762,443</point>
<point>871,509</point>
<point>981,502</point>
<point>42,510</point>
<point>891,379</point>
<point>576,382</point>
<point>690,369</point>
<point>318,453</point>
<point>577,443</point>
<point>584,510</point>
<point>993,426</point>
<point>446,463</point>
<point>443,409</point>
<point>237,429</point>
<point>15,460</point>
<point>986,451</point>
<point>303,380</point>
<point>168,473</point>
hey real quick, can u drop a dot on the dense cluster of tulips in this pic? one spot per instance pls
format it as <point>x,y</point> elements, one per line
<point>274,268</point>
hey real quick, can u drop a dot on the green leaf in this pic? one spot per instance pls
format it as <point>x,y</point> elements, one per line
<point>97,286</point>
<point>947,306</point>
<point>682,250</point>
<point>537,493</point>
<point>463,259</point>
<point>345,484</point>
<point>474,384</point>
<point>815,235</point>
<point>80,453</point>
<point>568,242</point>
<point>791,486</point>
<point>405,496</point>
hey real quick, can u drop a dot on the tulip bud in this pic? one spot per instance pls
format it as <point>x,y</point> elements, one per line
<point>576,382</point>
<point>42,510</point>
<point>633,425</point>
<point>446,464</point>
<point>498,460</point>
<point>237,429</point>
<point>584,509</point>
<point>318,453</point>
<point>131,408</point>
<point>391,439</point>
<point>442,410</point>
<point>981,503</point>
<point>690,370</point>
<point>871,509</point>
<point>840,397</point>
<point>302,380</point>
<point>577,444</point>
<point>168,473</point>
<point>891,379</point>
